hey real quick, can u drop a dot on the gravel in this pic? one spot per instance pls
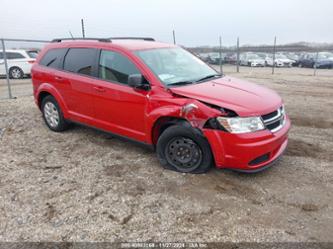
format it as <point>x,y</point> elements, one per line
<point>84,185</point>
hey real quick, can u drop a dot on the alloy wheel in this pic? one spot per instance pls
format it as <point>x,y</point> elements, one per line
<point>51,114</point>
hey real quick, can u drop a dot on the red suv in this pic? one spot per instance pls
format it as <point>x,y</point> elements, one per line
<point>163,96</point>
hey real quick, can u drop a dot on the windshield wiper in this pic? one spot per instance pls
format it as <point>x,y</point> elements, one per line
<point>185,82</point>
<point>208,77</point>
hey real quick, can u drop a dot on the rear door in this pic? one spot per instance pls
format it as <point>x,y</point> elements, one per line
<point>118,107</point>
<point>79,69</point>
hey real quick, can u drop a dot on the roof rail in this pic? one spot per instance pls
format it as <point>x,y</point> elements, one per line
<point>80,38</point>
<point>132,38</point>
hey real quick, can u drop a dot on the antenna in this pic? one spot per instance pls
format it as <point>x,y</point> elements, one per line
<point>82,27</point>
<point>70,33</point>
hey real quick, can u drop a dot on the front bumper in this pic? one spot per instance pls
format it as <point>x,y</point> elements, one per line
<point>249,152</point>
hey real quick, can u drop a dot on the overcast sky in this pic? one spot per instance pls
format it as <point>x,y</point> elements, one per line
<point>197,22</point>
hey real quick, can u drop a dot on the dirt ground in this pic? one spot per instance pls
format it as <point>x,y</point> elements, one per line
<point>83,185</point>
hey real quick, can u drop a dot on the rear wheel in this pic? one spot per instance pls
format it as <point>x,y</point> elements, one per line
<point>16,73</point>
<point>53,115</point>
<point>184,149</point>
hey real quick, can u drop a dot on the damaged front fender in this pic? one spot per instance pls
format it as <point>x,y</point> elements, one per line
<point>194,112</point>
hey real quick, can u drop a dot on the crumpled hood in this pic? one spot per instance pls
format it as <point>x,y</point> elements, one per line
<point>245,98</point>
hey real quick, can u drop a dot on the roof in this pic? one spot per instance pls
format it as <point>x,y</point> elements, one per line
<point>141,45</point>
<point>125,44</point>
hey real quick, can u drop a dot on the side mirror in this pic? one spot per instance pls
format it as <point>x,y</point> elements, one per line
<point>138,81</point>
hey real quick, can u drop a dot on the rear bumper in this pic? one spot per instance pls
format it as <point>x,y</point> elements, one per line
<point>249,152</point>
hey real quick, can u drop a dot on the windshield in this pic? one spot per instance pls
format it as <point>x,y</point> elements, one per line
<point>175,65</point>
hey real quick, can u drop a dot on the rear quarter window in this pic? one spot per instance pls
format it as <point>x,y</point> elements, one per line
<point>53,58</point>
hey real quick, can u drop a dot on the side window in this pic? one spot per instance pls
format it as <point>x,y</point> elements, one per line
<point>1,55</point>
<point>13,55</point>
<point>53,58</point>
<point>80,60</point>
<point>115,67</point>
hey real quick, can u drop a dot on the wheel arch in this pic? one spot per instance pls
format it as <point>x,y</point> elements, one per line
<point>46,90</point>
<point>162,123</point>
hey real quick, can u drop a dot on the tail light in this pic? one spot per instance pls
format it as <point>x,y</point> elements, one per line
<point>31,61</point>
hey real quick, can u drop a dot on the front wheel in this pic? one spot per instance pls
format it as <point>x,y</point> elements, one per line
<point>184,149</point>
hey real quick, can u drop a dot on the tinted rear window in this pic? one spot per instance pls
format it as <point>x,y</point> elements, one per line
<point>53,58</point>
<point>80,60</point>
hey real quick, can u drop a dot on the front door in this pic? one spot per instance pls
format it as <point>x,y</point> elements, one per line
<point>118,107</point>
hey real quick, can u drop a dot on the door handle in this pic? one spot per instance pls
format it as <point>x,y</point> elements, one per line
<point>59,78</point>
<point>99,89</point>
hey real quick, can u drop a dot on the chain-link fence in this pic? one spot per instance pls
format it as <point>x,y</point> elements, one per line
<point>18,55</point>
<point>275,56</point>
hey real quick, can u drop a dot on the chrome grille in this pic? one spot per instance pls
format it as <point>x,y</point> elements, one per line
<point>274,121</point>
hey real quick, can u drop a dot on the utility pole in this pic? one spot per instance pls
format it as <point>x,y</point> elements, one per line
<point>221,71</point>
<point>315,65</point>
<point>237,55</point>
<point>6,68</point>
<point>82,27</point>
<point>274,48</point>
<point>174,36</point>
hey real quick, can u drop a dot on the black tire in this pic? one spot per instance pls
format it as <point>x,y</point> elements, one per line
<point>16,73</point>
<point>62,123</point>
<point>198,158</point>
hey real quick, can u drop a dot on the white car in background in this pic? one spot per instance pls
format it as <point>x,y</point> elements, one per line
<point>280,61</point>
<point>19,62</point>
<point>251,60</point>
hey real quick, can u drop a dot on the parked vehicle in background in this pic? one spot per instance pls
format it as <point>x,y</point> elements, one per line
<point>251,60</point>
<point>280,61</point>
<point>324,60</point>
<point>306,60</point>
<point>230,58</point>
<point>214,58</point>
<point>262,55</point>
<point>204,56</point>
<point>292,56</point>
<point>19,62</point>
<point>163,96</point>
